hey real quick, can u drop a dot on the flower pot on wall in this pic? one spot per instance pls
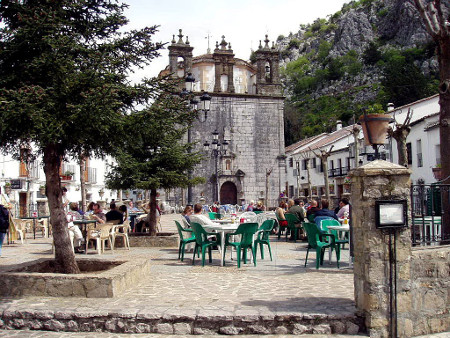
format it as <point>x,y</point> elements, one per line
<point>375,128</point>
<point>437,173</point>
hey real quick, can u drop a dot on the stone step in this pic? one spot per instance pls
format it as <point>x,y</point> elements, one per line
<point>181,323</point>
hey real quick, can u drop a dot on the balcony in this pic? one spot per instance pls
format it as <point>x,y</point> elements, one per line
<point>338,172</point>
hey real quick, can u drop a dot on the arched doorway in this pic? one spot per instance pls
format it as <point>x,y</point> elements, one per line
<point>228,193</point>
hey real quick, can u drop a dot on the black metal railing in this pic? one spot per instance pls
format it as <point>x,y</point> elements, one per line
<point>336,172</point>
<point>429,203</point>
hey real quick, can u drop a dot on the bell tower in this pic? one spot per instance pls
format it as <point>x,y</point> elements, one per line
<point>267,70</point>
<point>223,62</point>
<point>179,49</point>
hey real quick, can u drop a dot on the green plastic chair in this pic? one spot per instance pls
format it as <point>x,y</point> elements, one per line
<point>315,242</point>
<point>291,228</point>
<point>183,241</point>
<point>214,215</point>
<point>246,232</point>
<point>263,237</point>
<point>324,224</point>
<point>258,211</point>
<point>280,227</point>
<point>202,242</point>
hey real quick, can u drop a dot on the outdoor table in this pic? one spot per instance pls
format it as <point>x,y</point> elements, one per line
<point>344,228</point>
<point>222,228</point>
<point>133,216</point>
<point>35,219</point>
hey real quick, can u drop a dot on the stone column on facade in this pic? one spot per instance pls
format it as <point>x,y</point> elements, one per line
<point>380,180</point>
<point>230,88</point>
<point>42,206</point>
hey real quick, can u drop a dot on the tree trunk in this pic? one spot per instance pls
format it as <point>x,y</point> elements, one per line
<point>400,136</point>
<point>325,176</point>
<point>309,180</point>
<point>83,182</point>
<point>153,219</point>
<point>64,256</point>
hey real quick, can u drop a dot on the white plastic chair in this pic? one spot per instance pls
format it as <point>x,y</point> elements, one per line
<point>115,232</point>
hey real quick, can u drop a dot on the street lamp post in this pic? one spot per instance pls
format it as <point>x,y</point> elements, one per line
<point>217,149</point>
<point>205,100</point>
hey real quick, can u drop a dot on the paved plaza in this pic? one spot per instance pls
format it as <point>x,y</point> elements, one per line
<point>273,288</point>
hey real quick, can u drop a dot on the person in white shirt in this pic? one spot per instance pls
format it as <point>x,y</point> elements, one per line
<point>198,217</point>
<point>75,230</point>
<point>344,205</point>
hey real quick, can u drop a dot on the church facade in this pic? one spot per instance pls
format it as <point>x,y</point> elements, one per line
<point>247,161</point>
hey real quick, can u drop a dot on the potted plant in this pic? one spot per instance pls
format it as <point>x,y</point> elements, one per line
<point>331,186</point>
<point>437,172</point>
<point>375,124</point>
<point>7,188</point>
<point>42,189</point>
<point>126,193</point>
<point>101,193</point>
<point>314,190</point>
<point>68,175</point>
<point>347,183</point>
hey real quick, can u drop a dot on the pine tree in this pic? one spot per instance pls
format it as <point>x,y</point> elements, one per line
<point>157,156</point>
<point>64,87</point>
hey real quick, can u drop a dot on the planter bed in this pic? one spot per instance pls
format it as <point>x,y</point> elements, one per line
<point>162,239</point>
<point>98,278</point>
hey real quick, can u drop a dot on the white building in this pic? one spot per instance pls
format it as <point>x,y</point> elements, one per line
<point>423,142</point>
<point>423,145</point>
<point>26,181</point>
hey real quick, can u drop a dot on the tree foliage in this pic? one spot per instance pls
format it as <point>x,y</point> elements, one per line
<point>64,87</point>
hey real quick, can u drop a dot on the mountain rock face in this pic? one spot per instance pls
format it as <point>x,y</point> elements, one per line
<point>372,51</point>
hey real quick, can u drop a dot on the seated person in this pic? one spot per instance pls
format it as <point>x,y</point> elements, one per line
<point>98,214</point>
<point>344,208</point>
<point>251,206</point>
<point>113,214</point>
<point>324,213</point>
<point>259,207</point>
<point>75,230</point>
<point>74,211</point>
<point>299,212</point>
<point>279,212</point>
<point>312,209</point>
<point>198,217</point>
<point>187,212</point>
<point>132,208</point>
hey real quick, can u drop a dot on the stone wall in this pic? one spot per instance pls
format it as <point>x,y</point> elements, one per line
<point>429,308</point>
<point>422,274</point>
<point>254,126</point>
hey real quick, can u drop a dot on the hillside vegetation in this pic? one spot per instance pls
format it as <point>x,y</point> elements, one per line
<point>372,51</point>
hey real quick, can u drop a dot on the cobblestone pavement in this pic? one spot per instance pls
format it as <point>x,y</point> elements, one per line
<point>281,286</point>
<point>46,334</point>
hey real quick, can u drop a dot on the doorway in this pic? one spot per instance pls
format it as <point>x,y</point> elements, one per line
<point>228,193</point>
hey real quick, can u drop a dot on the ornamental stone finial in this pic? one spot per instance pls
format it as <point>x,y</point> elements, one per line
<point>260,45</point>
<point>223,44</point>
<point>180,36</point>
<point>173,38</point>
<point>187,40</point>
<point>266,41</point>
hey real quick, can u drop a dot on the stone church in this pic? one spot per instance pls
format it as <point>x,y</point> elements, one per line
<point>245,160</point>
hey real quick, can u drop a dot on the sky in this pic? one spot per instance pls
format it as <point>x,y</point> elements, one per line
<point>242,22</point>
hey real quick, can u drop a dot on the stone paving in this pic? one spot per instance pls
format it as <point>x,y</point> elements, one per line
<point>281,291</point>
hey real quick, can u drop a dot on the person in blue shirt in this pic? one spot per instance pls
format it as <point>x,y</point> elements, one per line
<point>325,211</point>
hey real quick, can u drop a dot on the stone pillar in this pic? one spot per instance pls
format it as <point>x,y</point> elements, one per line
<point>42,207</point>
<point>380,180</point>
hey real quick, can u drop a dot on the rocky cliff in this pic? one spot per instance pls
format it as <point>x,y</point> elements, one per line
<point>372,51</point>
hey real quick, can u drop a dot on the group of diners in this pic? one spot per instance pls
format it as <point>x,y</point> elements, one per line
<point>311,211</point>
